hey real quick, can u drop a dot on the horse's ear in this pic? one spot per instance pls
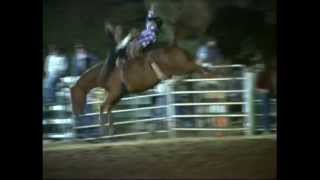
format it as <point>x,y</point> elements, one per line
<point>114,32</point>
<point>109,29</point>
<point>117,33</point>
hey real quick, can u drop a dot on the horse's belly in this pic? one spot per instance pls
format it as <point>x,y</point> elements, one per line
<point>141,81</point>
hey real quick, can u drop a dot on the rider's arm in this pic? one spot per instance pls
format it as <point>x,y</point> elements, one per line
<point>152,25</point>
<point>134,33</point>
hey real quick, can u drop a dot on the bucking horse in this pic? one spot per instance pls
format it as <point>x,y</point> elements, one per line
<point>134,75</point>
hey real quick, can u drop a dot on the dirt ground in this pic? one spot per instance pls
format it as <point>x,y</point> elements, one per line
<point>230,157</point>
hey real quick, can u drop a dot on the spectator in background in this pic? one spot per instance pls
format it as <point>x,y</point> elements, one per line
<point>56,66</point>
<point>82,60</point>
<point>209,53</point>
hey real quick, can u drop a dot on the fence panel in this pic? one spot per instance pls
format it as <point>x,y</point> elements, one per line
<point>199,105</point>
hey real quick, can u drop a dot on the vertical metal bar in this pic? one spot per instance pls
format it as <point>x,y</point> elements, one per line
<point>249,83</point>
<point>170,108</point>
<point>74,130</point>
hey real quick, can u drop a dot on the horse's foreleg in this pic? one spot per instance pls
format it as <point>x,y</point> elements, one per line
<point>106,107</point>
<point>75,118</point>
<point>101,120</point>
<point>110,132</point>
<point>114,95</point>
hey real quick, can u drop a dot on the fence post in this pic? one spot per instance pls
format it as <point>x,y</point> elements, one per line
<point>249,84</point>
<point>74,131</point>
<point>170,108</point>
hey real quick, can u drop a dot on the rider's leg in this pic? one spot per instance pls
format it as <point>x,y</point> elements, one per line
<point>111,61</point>
<point>134,49</point>
<point>108,66</point>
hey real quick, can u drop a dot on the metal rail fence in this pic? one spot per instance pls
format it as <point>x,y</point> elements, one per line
<point>218,105</point>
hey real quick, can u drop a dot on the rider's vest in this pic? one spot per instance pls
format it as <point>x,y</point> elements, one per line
<point>148,35</point>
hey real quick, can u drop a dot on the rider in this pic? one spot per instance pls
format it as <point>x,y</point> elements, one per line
<point>149,34</point>
<point>143,40</point>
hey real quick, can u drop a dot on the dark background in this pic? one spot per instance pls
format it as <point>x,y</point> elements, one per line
<point>241,27</point>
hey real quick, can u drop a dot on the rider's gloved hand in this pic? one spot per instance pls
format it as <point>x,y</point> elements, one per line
<point>134,32</point>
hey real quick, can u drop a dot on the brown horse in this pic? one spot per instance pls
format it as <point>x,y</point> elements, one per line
<point>135,75</point>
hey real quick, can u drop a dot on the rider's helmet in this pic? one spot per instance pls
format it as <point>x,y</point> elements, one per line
<point>152,16</point>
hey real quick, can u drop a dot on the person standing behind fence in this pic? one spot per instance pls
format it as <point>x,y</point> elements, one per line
<point>265,89</point>
<point>209,53</point>
<point>82,60</point>
<point>55,67</point>
<point>160,101</point>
